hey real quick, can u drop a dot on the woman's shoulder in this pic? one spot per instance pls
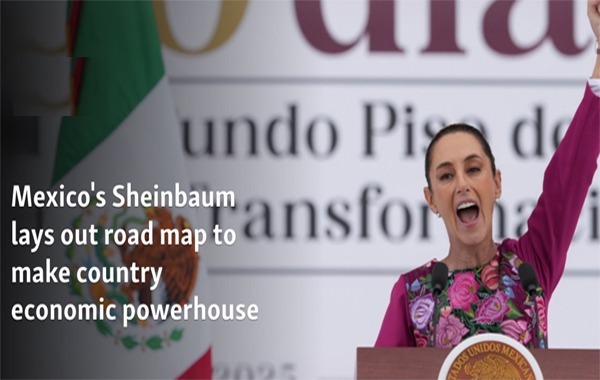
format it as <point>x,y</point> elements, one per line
<point>419,274</point>
<point>511,246</point>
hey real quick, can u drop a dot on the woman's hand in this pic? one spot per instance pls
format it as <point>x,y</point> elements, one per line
<point>593,12</point>
<point>594,16</point>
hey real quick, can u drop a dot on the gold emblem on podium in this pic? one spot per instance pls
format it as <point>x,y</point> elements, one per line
<point>490,356</point>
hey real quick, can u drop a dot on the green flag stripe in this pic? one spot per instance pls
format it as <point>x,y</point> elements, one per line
<point>124,63</point>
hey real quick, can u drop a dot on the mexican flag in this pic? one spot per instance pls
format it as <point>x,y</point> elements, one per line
<point>125,131</point>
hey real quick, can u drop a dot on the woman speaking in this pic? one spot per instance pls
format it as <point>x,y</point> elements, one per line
<point>486,286</point>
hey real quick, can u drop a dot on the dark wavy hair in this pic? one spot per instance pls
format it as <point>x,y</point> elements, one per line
<point>454,128</point>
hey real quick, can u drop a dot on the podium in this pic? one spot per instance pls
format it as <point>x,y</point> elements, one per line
<point>425,363</point>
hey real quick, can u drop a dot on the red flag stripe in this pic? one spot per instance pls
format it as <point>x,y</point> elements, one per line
<point>73,24</point>
<point>201,369</point>
<point>78,62</point>
<point>76,79</point>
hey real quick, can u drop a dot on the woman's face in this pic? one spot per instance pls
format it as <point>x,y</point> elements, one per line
<point>463,188</point>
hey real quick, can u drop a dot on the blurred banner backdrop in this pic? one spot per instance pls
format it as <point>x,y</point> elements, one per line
<point>317,114</point>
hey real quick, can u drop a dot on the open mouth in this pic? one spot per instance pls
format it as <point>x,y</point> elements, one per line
<point>467,212</point>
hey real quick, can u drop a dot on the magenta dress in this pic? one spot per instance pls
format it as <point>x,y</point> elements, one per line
<point>490,298</point>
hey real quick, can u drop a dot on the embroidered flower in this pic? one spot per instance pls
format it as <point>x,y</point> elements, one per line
<point>517,329</point>
<point>542,319</point>
<point>421,309</point>
<point>541,304</point>
<point>492,309</point>
<point>416,285</point>
<point>463,291</point>
<point>420,339</point>
<point>450,331</point>
<point>490,276</point>
<point>514,261</point>
<point>445,311</point>
<point>509,292</point>
<point>507,281</point>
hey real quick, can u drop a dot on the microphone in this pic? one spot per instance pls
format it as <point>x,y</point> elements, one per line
<point>439,278</point>
<point>528,278</point>
<point>530,284</point>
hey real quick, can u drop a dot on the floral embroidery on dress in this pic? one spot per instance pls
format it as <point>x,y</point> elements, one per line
<point>489,298</point>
